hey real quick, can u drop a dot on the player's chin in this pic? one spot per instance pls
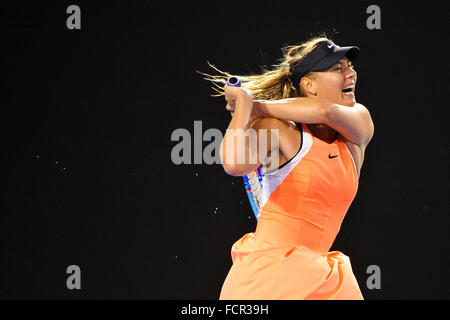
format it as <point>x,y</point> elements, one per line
<point>348,99</point>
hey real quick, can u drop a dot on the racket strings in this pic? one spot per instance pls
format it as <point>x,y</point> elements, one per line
<point>256,188</point>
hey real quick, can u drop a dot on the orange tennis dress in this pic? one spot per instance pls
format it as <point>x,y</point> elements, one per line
<point>303,204</point>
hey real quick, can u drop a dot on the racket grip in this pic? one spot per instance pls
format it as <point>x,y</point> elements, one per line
<point>233,82</point>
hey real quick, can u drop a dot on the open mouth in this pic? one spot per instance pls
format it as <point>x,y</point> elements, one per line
<point>349,90</point>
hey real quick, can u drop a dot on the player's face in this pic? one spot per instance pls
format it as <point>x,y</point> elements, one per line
<point>337,84</point>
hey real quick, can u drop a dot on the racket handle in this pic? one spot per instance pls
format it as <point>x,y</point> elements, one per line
<point>233,82</point>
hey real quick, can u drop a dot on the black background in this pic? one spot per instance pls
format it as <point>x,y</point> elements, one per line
<point>87,118</point>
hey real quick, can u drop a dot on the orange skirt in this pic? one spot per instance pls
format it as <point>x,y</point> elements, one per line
<point>262,272</point>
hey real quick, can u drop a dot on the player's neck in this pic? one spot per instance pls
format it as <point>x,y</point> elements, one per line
<point>323,132</point>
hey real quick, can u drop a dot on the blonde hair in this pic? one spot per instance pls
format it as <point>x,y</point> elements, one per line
<point>272,84</point>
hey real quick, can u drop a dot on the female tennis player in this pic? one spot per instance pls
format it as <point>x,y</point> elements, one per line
<point>323,134</point>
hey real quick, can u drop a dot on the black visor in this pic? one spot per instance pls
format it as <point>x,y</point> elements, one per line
<point>323,57</point>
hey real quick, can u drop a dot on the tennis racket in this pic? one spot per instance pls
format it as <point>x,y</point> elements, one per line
<point>253,180</point>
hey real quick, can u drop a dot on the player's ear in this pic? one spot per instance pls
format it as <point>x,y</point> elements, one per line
<point>308,86</point>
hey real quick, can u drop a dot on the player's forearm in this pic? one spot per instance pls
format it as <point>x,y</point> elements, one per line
<point>352,122</point>
<point>301,110</point>
<point>242,114</point>
<point>236,144</point>
<point>237,156</point>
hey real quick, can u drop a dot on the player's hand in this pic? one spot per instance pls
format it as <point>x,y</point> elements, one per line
<point>237,94</point>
